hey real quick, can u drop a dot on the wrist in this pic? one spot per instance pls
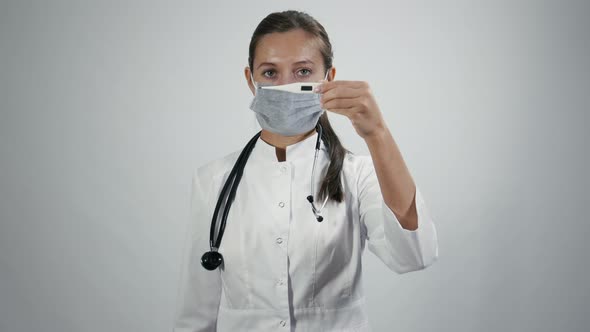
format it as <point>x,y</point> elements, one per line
<point>377,135</point>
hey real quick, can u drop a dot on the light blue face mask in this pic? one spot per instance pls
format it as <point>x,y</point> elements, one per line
<point>284,112</point>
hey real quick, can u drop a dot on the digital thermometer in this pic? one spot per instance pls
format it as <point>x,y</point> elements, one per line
<point>297,87</point>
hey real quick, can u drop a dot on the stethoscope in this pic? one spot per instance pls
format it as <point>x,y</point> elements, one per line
<point>213,259</point>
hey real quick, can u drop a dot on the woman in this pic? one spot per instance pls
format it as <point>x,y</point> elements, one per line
<point>280,267</point>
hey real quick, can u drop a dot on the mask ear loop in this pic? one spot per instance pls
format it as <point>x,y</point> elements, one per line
<point>254,121</point>
<point>253,83</point>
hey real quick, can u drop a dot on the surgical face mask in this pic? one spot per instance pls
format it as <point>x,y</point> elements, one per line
<point>284,112</point>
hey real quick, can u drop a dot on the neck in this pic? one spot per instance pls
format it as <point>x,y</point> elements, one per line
<point>281,142</point>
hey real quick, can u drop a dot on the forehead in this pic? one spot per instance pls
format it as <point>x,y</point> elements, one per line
<point>288,47</point>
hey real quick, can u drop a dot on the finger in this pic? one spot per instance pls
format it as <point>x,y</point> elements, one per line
<point>341,92</point>
<point>340,103</point>
<point>347,112</point>
<point>326,86</point>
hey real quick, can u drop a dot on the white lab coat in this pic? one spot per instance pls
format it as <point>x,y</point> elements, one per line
<point>283,270</point>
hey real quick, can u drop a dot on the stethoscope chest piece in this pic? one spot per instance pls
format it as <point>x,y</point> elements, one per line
<point>211,260</point>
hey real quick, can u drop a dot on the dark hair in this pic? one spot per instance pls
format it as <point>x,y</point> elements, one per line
<point>287,21</point>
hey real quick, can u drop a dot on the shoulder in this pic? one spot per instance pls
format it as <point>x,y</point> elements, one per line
<point>357,165</point>
<point>215,167</point>
<point>357,171</point>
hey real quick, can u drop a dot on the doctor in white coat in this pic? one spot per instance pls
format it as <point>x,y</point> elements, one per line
<point>282,269</point>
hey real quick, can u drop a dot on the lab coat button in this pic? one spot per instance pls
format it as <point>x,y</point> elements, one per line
<point>282,204</point>
<point>279,240</point>
<point>281,282</point>
<point>283,323</point>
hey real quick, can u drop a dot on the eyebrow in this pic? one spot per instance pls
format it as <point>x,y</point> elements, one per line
<point>296,63</point>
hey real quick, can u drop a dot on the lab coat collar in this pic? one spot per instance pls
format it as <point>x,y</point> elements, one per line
<point>305,149</point>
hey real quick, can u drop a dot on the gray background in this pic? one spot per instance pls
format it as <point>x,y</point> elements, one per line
<point>107,107</point>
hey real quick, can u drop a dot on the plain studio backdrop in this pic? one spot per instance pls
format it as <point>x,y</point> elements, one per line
<point>108,106</point>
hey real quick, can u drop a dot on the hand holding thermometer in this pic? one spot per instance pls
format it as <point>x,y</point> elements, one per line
<point>297,87</point>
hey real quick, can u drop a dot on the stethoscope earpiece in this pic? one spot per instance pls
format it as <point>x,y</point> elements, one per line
<point>318,217</point>
<point>310,199</point>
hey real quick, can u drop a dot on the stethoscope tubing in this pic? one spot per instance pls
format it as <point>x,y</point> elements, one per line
<point>234,177</point>
<point>212,259</point>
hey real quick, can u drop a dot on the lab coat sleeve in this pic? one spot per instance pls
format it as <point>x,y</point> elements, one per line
<point>400,249</point>
<point>199,290</point>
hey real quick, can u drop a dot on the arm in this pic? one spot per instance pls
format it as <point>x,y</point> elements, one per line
<point>401,250</point>
<point>392,211</point>
<point>199,290</point>
<point>396,183</point>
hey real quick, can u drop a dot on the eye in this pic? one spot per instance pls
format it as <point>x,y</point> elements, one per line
<point>306,72</point>
<point>268,71</point>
